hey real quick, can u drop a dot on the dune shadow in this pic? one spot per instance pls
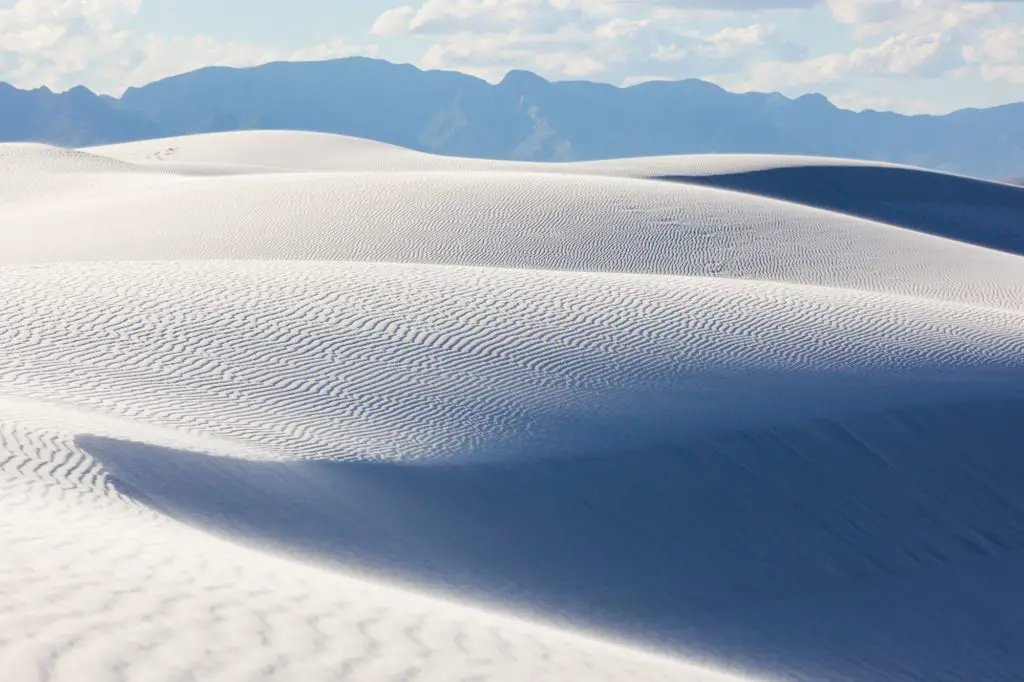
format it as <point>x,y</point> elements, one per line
<point>742,544</point>
<point>964,209</point>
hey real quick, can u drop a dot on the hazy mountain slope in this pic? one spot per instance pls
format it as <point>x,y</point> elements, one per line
<point>448,393</point>
<point>70,118</point>
<point>368,98</point>
<point>523,117</point>
<point>529,118</point>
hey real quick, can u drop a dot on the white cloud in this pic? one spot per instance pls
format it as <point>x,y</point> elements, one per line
<point>900,55</point>
<point>908,40</point>
<point>999,54</point>
<point>440,17</point>
<point>393,22</point>
<point>740,44</point>
<point>490,55</point>
<point>866,11</point>
<point>61,43</point>
<point>859,102</point>
<point>731,41</point>
<point>573,38</point>
<point>873,17</point>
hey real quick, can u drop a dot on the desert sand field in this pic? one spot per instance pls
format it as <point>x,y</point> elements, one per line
<point>294,406</point>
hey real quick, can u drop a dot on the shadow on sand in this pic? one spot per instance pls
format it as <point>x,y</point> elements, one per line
<point>964,209</point>
<point>873,544</point>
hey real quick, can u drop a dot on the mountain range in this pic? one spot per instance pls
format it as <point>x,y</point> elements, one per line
<point>523,117</point>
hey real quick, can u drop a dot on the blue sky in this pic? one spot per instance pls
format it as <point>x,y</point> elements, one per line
<point>906,55</point>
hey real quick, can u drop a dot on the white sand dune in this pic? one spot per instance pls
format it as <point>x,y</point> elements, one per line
<point>929,201</point>
<point>287,406</point>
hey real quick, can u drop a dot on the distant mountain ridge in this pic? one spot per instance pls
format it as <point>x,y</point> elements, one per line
<point>73,118</point>
<point>522,117</point>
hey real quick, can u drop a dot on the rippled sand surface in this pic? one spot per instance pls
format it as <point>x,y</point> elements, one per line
<point>291,406</point>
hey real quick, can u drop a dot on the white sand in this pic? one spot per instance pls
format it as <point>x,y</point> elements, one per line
<point>289,406</point>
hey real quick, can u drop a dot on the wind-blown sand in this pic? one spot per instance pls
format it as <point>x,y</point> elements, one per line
<point>291,406</point>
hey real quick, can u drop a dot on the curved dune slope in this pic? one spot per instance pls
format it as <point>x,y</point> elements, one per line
<point>280,406</point>
<point>936,203</point>
<point>956,207</point>
<point>504,218</point>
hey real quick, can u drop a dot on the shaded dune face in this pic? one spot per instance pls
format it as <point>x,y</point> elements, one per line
<point>703,537</point>
<point>765,415</point>
<point>935,203</point>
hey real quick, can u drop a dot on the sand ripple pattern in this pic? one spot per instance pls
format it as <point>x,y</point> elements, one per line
<point>284,406</point>
<point>405,363</point>
<point>97,588</point>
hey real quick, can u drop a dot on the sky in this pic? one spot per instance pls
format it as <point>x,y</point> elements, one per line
<point>912,56</point>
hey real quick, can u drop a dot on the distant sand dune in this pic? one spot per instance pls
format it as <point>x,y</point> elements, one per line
<point>283,406</point>
<point>937,203</point>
